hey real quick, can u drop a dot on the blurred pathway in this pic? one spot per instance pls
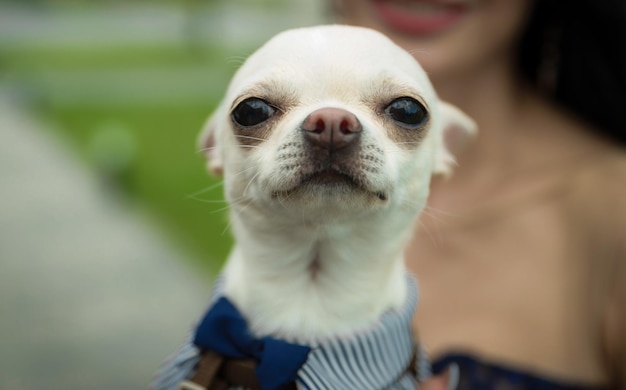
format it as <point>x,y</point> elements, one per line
<point>91,295</point>
<point>115,24</point>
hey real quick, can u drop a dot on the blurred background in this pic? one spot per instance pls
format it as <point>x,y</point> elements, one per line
<point>110,228</point>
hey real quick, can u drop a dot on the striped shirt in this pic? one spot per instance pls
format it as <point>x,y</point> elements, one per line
<point>371,360</point>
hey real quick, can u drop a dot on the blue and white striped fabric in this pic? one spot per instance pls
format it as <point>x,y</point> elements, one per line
<point>373,360</point>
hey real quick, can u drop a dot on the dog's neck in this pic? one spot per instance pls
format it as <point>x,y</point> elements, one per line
<point>309,281</point>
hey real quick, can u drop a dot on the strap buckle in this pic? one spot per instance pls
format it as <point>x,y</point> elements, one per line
<point>189,385</point>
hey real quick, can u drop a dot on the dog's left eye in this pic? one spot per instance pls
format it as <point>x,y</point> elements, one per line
<point>407,112</point>
<point>252,112</point>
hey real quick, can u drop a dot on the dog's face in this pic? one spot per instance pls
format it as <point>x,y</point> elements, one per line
<point>330,121</point>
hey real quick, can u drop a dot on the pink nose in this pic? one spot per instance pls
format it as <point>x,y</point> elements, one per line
<point>331,128</point>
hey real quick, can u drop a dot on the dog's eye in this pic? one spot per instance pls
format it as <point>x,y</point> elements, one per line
<point>407,112</point>
<point>252,112</point>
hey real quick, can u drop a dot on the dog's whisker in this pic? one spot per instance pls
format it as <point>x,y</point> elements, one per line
<point>204,150</point>
<point>282,197</point>
<point>227,227</point>
<point>438,219</point>
<point>244,171</point>
<point>212,201</point>
<point>222,209</point>
<point>432,214</point>
<point>250,146</point>
<point>233,202</point>
<point>245,191</point>
<point>435,211</point>
<point>437,216</point>
<point>243,208</point>
<point>228,203</point>
<point>418,51</point>
<point>431,236</point>
<point>236,60</point>
<point>205,190</point>
<point>228,206</point>
<point>250,137</point>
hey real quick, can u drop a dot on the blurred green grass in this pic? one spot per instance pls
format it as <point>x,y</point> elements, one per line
<point>165,173</point>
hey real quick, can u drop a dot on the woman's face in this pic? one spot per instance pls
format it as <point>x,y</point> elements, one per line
<point>448,37</point>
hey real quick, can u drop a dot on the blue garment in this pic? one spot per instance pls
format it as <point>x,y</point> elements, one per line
<point>477,374</point>
<point>374,359</point>
<point>224,330</point>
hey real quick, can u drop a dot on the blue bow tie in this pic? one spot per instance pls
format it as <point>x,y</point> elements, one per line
<point>224,330</point>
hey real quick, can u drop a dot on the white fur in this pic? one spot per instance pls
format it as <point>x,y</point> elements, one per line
<point>355,238</point>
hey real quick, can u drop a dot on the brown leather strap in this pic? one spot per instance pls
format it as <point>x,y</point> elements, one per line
<point>205,377</point>
<point>413,368</point>
<point>243,373</point>
<point>218,373</point>
<point>240,373</point>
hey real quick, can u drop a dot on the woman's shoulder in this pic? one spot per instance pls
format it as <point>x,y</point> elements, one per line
<point>595,202</point>
<point>597,187</point>
<point>592,167</point>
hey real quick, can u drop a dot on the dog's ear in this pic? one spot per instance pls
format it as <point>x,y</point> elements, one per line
<point>209,146</point>
<point>457,130</point>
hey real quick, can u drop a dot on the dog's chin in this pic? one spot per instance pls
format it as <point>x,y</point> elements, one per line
<point>330,189</point>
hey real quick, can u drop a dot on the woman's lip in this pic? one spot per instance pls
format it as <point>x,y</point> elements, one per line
<point>421,17</point>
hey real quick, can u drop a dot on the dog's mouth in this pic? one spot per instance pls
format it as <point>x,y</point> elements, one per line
<point>330,176</point>
<point>331,179</point>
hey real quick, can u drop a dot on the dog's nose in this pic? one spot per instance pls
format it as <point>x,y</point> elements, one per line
<point>332,128</point>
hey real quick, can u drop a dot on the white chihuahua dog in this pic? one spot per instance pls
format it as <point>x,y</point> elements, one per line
<point>327,140</point>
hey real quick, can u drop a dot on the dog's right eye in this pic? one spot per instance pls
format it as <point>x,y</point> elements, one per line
<point>407,112</point>
<point>252,111</point>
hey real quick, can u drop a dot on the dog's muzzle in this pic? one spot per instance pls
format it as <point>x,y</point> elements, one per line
<point>331,158</point>
<point>332,138</point>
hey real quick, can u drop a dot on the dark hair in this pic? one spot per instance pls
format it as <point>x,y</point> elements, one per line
<point>575,51</point>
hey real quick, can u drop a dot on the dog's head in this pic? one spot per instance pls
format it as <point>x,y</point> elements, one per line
<point>331,120</point>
